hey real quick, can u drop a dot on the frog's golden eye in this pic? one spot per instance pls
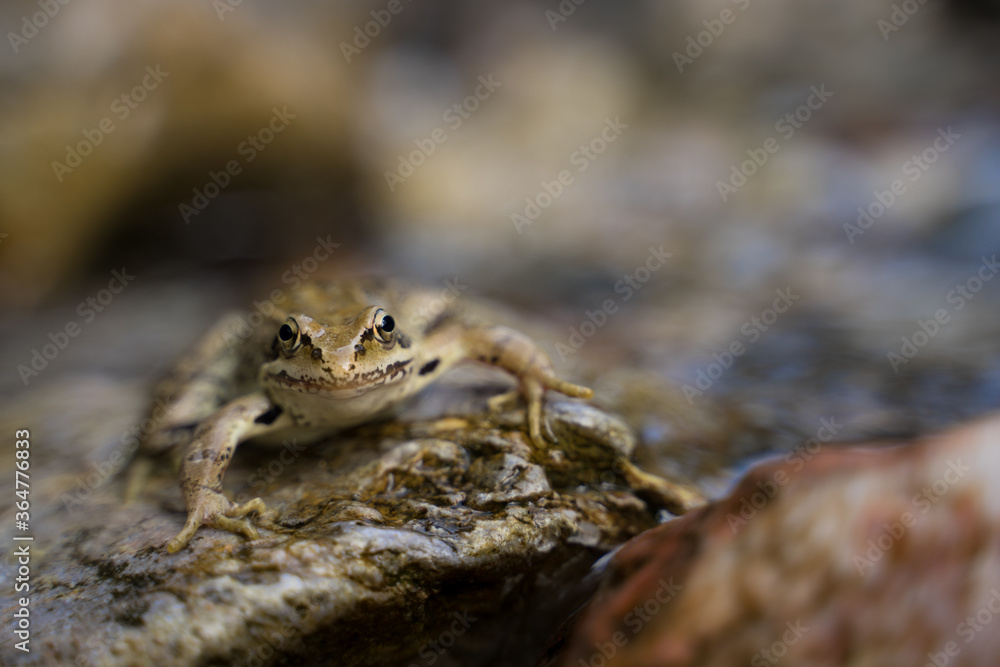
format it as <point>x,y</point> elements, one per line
<point>384,326</point>
<point>288,335</point>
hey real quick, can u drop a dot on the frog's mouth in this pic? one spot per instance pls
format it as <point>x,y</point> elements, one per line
<point>355,386</point>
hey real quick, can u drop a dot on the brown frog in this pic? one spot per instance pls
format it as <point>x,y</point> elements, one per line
<point>332,355</point>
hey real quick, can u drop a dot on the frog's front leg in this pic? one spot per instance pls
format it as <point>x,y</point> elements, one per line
<point>206,459</point>
<point>515,352</point>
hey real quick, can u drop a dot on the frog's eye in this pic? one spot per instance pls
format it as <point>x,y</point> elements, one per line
<point>288,335</point>
<point>384,326</point>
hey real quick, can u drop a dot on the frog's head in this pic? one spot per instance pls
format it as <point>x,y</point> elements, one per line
<point>338,359</point>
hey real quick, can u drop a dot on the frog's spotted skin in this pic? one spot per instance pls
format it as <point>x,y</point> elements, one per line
<point>331,356</point>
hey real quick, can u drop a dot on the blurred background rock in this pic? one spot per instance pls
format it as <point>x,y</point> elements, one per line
<point>684,92</point>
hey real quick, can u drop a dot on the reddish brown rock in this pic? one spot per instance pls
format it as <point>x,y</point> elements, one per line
<point>861,555</point>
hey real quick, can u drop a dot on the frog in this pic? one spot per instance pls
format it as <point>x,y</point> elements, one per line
<point>331,355</point>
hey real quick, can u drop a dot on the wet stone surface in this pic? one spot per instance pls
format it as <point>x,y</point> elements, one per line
<point>422,540</point>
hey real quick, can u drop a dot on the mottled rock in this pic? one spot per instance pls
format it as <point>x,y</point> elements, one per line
<point>861,555</point>
<point>422,540</point>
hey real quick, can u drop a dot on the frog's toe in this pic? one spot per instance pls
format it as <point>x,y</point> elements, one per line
<point>540,427</point>
<point>547,425</point>
<point>567,388</point>
<point>214,509</point>
<point>182,538</point>
<point>234,520</point>
<point>503,402</point>
<point>255,505</point>
<point>242,526</point>
<point>533,393</point>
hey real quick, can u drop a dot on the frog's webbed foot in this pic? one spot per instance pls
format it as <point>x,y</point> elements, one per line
<point>518,354</point>
<point>537,424</point>
<point>211,508</point>
<point>205,461</point>
<point>533,389</point>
